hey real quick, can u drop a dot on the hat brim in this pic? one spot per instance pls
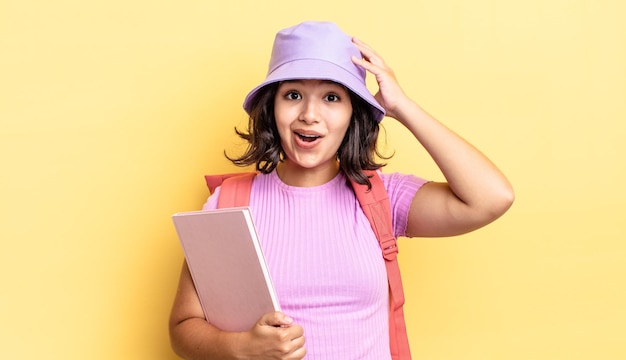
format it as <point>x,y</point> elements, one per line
<point>318,70</point>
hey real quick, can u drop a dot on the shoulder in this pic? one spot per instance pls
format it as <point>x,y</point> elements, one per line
<point>397,181</point>
<point>401,189</point>
<point>233,182</point>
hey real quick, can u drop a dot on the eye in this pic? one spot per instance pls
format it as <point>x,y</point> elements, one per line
<point>293,95</point>
<point>332,97</point>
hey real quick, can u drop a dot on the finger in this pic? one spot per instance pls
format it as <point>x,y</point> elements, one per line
<point>300,349</point>
<point>297,348</point>
<point>368,66</point>
<point>368,53</point>
<point>362,45</point>
<point>276,319</point>
<point>298,354</point>
<point>295,332</point>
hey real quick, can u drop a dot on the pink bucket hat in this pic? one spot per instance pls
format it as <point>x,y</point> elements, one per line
<point>316,50</point>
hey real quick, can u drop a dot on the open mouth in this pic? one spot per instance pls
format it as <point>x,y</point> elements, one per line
<point>308,138</point>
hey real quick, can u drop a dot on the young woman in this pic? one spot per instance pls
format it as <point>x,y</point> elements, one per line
<point>314,125</point>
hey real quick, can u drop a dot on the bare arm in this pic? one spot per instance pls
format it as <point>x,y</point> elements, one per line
<point>192,337</point>
<point>475,192</point>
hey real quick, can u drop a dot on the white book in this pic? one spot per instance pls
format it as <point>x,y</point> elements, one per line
<point>227,266</point>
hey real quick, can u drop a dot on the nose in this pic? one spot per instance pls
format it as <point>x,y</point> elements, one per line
<point>310,112</point>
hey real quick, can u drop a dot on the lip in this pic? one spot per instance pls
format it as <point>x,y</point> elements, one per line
<point>306,144</point>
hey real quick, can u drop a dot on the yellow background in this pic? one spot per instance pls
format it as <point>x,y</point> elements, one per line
<point>111,112</point>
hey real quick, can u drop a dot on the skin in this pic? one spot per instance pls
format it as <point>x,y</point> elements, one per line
<point>321,111</point>
<point>474,194</point>
<point>274,336</point>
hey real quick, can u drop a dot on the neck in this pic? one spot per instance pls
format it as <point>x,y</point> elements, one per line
<point>293,175</point>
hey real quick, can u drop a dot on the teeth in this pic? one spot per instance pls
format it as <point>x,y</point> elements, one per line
<point>308,136</point>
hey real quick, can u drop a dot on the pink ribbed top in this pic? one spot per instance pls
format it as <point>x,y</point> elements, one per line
<point>325,261</point>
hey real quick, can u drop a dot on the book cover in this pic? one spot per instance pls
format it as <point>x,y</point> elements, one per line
<point>227,266</point>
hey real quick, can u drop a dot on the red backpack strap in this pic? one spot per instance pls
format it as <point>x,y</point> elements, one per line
<point>235,189</point>
<point>376,206</point>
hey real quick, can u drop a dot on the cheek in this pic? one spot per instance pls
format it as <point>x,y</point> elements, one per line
<point>280,122</point>
<point>283,115</point>
<point>345,122</point>
<point>284,134</point>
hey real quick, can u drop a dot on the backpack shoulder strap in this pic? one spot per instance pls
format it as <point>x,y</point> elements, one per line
<point>377,208</point>
<point>235,189</point>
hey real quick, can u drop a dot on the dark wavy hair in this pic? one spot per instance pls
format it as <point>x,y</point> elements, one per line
<point>356,153</point>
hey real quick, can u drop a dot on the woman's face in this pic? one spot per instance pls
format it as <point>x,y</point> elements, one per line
<point>312,117</point>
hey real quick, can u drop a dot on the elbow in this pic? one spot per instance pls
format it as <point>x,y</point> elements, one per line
<point>501,201</point>
<point>184,338</point>
<point>176,339</point>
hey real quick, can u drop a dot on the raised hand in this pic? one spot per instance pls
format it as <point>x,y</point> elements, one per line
<point>390,95</point>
